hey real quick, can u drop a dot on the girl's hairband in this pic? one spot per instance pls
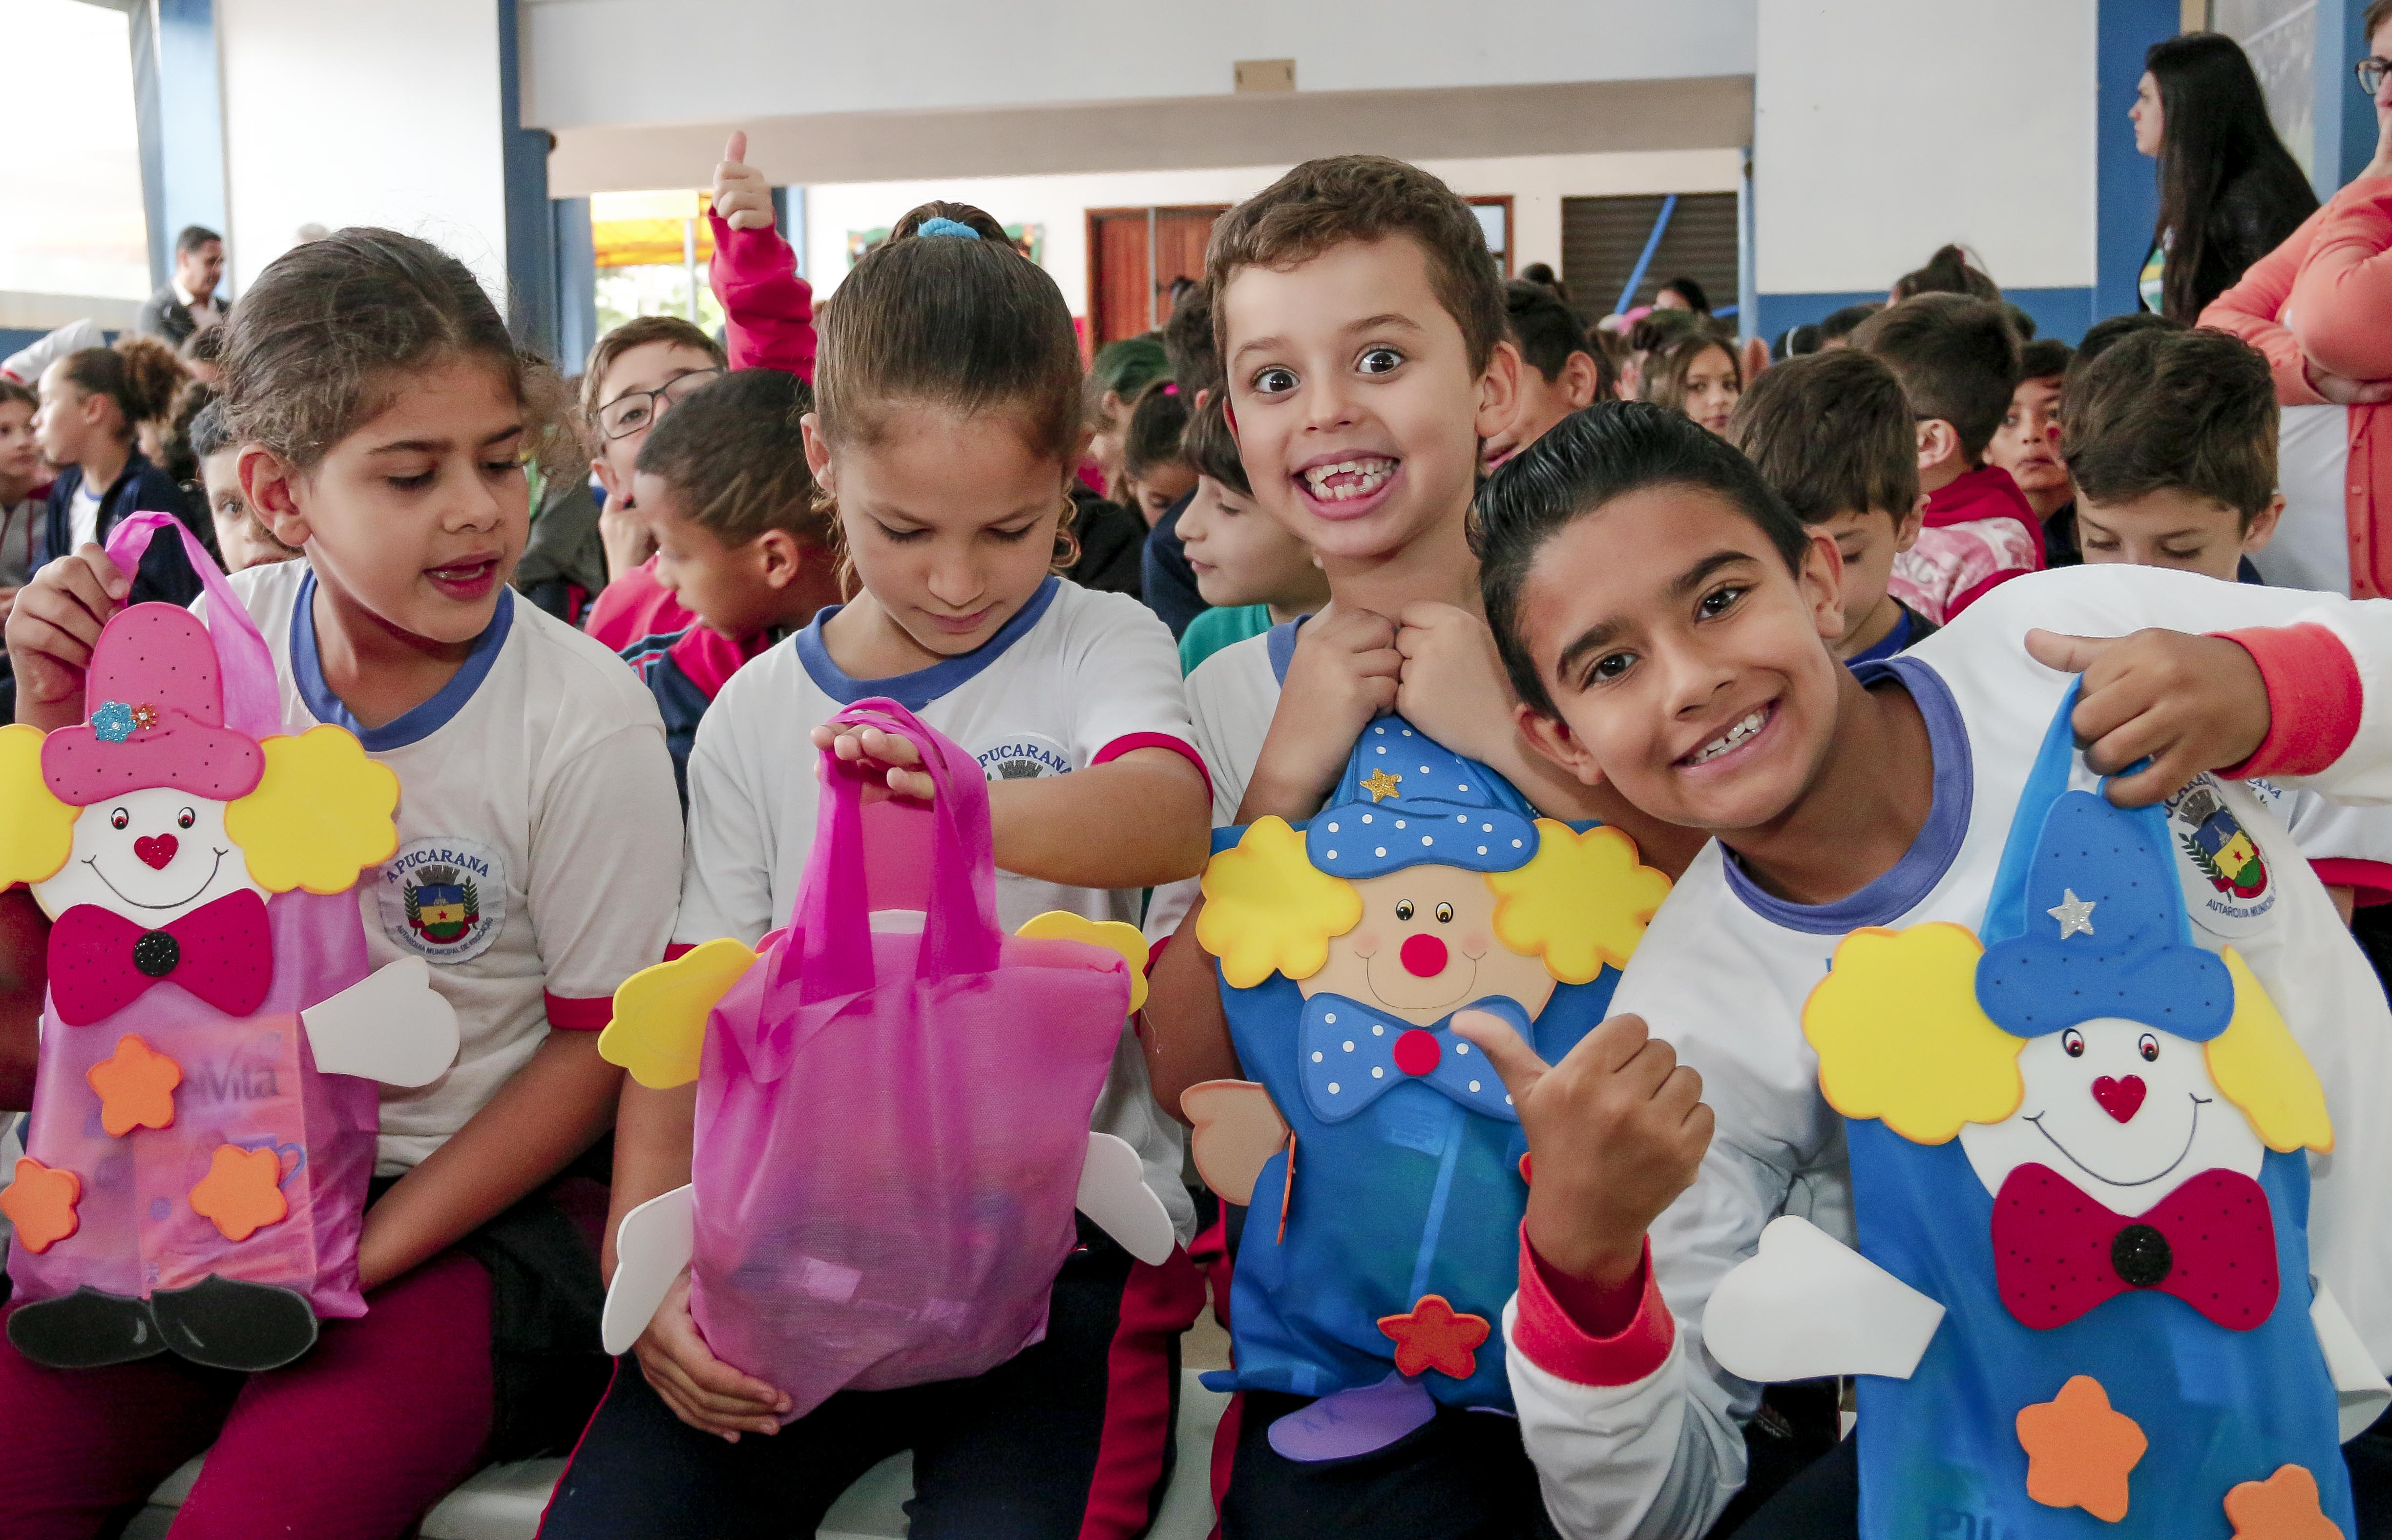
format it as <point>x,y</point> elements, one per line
<point>946,226</point>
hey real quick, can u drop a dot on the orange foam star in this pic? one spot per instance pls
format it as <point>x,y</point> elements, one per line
<point>136,1087</point>
<point>2079,1451</point>
<point>40,1204</point>
<point>1433,1335</point>
<point>2284,1506</point>
<point>242,1192</point>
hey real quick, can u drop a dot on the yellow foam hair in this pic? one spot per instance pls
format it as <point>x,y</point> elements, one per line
<point>1581,901</point>
<point>321,814</point>
<point>658,1031</point>
<point>1900,1035</point>
<point>37,829</point>
<point>2260,1069</point>
<point>1267,908</point>
<point>1061,925</point>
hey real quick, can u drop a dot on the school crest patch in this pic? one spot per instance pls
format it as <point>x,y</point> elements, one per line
<point>1023,757</point>
<point>444,898</point>
<point>2228,888</point>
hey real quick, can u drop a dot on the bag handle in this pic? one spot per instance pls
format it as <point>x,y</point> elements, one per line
<point>832,954</point>
<point>253,699</point>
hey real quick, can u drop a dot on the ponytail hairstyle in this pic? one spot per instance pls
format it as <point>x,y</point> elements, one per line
<point>1156,425</point>
<point>1947,272</point>
<point>2216,136</point>
<point>321,337</point>
<point>141,381</point>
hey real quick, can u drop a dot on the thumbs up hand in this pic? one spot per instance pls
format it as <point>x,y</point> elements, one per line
<point>742,196</point>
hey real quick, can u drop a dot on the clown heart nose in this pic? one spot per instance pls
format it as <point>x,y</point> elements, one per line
<point>1423,956</point>
<point>2121,1099</point>
<point>156,852</point>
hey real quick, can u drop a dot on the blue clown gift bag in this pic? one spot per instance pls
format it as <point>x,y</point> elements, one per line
<point>1377,1149</point>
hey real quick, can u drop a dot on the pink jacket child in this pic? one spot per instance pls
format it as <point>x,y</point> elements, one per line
<point>206,1106</point>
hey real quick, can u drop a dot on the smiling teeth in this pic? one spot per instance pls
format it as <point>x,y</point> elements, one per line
<point>1369,476</point>
<point>1733,736</point>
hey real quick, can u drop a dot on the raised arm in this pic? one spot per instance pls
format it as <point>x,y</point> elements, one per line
<point>769,310</point>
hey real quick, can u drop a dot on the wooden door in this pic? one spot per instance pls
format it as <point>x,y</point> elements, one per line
<point>1179,238</point>
<point>1119,275</point>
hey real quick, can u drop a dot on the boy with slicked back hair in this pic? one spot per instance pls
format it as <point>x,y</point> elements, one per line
<point>1561,373</point>
<point>1957,359</point>
<point>1360,325</point>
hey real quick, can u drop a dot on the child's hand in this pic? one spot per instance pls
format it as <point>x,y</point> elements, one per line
<point>627,537</point>
<point>888,760</point>
<point>1346,671</point>
<point>1616,1132</point>
<point>702,1390</point>
<point>2343,391</point>
<point>742,196</point>
<point>1453,685</point>
<point>2190,703</point>
<point>52,627</point>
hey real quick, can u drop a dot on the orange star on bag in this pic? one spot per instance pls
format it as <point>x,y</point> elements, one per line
<point>2284,1506</point>
<point>136,1087</point>
<point>1433,1335</point>
<point>242,1192</point>
<point>40,1204</point>
<point>2079,1451</point>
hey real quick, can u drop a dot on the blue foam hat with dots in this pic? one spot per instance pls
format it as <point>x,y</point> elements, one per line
<point>1406,800</point>
<point>2106,933</point>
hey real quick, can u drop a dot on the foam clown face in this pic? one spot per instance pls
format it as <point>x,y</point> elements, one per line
<point>1426,946</point>
<point>152,856</point>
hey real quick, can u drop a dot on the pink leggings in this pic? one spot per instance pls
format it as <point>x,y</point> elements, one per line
<point>355,1442</point>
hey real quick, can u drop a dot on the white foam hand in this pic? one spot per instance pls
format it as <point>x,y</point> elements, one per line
<point>1805,1305</point>
<point>2360,1391</point>
<point>391,1026</point>
<point>652,1246</point>
<point>1114,1194</point>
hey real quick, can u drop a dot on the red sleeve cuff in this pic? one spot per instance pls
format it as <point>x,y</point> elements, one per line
<point>675,951</point>
<point>2314,699</point>
<point>1185,750</point>
<point>1590,1335</point>
<point>578,1015</point>
<point>2369,881</point>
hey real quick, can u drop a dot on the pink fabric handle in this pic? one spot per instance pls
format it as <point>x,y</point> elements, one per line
<point>253,700</point>
<point>832,948</point>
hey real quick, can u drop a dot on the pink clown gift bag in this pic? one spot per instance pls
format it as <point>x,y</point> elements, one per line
<point>892,1108</point>
<point>205,1105</point>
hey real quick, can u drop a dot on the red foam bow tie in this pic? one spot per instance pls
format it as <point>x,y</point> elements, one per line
<point>100,961</point>
<point>2058,1252</point>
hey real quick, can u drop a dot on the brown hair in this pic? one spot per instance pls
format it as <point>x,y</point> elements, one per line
<point>733,452</point>
<point>11,391</point>
<point>318,337</point>
<point>204,347</point>
<point>1947,272</point>
<point>1547,331</point>
<point>1958,360</point>
<point>140,379</point>
<point>1156,424</point>
<point>1364,197</point>
<point>947,320</point>
<point>1212,449</point>
<point>1830,433</point>
<point>2378,12</point>
<point>1188,349</point>
<point>1664,379</point>
<point>2188,410</point>
<point>639,331</point>
<point>2047,357</point>
<point>179,454</point>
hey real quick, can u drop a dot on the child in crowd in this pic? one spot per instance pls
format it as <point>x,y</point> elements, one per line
<point>380,410</point>
<point>2059,547</point>
<point>1564,373</point>
<point>21,472</point>
<point>1362,319</point>
<point>150,357</point>
<point>723,486</point>
<point>1683,293</point>
<point>1117,380</point>
<point>92,400</point>
<point>1168,583</point>
<point>1646,336</point>
<point>2027,444</point>
<point>1696,374</point>
<point>1155,474</point>
<point>240,535</point>
<point>202,355</point>
<point>1831,432</point>
<point>1957,361</point>
<point>1625,556</point>
<point>1254,573</point>
<point>948,422</point>
<point>1837,327</point>
<point>1949,271</point>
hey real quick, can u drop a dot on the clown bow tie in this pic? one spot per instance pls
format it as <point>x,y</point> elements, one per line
<point>101,962</point>
<point>2058,1252</point>
<point>1351,1055</point>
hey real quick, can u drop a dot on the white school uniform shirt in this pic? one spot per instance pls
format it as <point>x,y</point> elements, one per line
<point>1077,678</point>
<point>1724,970</point>
<point>83,515</point>
<point>539,775</point>
<point>1231,697</point>
<point>2311,548</point>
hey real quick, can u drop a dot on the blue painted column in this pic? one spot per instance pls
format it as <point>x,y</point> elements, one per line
<point>2344,118</point>
<point>2127,196</point>
<point>577,282</point>
<point>179,113</point>
<point>532,309</point>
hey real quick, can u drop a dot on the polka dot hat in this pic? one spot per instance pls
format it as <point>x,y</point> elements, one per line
<point>1407,801</point>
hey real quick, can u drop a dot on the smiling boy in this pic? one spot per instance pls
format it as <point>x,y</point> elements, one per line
<point>1668,625</point>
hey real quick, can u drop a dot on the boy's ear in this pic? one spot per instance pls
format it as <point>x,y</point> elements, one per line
<point>1938,442</point>
<point>1822,580</point>
<point>1906,526</point>
<point>780,557</point>
<point>818,453</point>
<point>270,488</point>
<point>1552,737</point>
<point>2262,527</point>
<point>1499,390</point>
<point>605,475</point>
<point>1581,380</point>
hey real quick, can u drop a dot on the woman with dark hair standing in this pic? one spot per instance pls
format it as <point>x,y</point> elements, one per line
<point>2230,192</point>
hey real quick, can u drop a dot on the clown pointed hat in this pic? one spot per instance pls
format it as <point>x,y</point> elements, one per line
<point>157,717</point>
<point>2106,933</point>
<point>1408,801</point>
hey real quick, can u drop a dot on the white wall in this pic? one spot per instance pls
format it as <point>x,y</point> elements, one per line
<point>71,215</point>
<point>628,61</point>
<point>1538,183</point>
<point>351,114</point>
<point>1885,128</point>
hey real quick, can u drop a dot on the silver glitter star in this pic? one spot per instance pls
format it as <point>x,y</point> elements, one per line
<point>2074,914</point>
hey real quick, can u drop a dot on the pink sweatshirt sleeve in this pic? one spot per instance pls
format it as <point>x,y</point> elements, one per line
<point>2315,699</point>
<point>769,309</point>
<point>2341,307</point>
<point>2253,310</point>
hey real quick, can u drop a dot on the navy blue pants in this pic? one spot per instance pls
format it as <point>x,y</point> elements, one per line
<point>1071,1437</point>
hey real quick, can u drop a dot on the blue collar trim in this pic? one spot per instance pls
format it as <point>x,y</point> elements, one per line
<point>307,672</point>
<point>1930,855</point>
<point>1281,645</point>
<point>919,688</point>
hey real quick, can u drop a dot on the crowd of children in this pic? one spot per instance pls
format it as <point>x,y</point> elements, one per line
<point>1779,624</point>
